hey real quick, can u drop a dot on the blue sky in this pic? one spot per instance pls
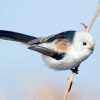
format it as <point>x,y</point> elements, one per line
<point>20,68</point>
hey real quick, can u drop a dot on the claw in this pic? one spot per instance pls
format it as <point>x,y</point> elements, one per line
<point>75,70</point>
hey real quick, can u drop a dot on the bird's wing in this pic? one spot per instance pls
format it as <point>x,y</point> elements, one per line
<point>42,50</point>
<point>68,35</point>
<point>40,40</point>
<point>47,52</point>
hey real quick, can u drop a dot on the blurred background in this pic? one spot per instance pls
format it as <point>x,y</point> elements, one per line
<point>23,74</point>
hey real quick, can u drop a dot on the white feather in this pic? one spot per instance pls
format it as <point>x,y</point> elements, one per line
<point>76,53</point>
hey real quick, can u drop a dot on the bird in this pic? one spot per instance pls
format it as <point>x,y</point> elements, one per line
<point>62,51</point>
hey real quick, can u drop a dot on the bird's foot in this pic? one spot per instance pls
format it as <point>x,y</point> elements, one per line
<point>75,70</point>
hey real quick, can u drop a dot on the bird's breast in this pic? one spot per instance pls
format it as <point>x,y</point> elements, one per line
<point>67,62</point>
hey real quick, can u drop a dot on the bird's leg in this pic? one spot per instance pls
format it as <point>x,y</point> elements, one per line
<point>75,70</point>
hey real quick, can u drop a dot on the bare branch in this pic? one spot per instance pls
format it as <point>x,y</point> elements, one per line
<point>94,18</point>
<point>70,79</point>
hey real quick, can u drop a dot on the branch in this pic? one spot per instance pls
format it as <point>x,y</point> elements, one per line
<point>70,79</point>
<point>87,28</point>
<point>70,82</point>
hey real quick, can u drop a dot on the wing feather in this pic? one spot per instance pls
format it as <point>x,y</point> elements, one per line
<point>47,52</point>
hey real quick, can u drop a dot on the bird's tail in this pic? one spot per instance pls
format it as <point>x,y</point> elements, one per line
<point>14,36</point>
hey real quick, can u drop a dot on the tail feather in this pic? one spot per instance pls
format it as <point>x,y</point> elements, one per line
<point>14,36</point>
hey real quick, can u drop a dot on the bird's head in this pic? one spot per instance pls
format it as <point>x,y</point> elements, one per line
<point>83,44</point>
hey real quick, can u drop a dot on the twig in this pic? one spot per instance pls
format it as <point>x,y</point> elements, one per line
<point>94,18</point>
<point>84,25</point>
<point>87,28</point>
<point>70,82</point>
<point>69,85</point>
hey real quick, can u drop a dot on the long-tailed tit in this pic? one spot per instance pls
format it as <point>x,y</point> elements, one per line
<point>62,51</point>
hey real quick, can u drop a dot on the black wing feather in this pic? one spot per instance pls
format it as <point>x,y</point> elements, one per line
<point>47,52</point>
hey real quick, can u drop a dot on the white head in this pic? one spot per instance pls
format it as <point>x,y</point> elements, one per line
<point>83,44</point>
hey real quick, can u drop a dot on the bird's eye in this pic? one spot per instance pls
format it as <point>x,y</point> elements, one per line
<point>84,43</point>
